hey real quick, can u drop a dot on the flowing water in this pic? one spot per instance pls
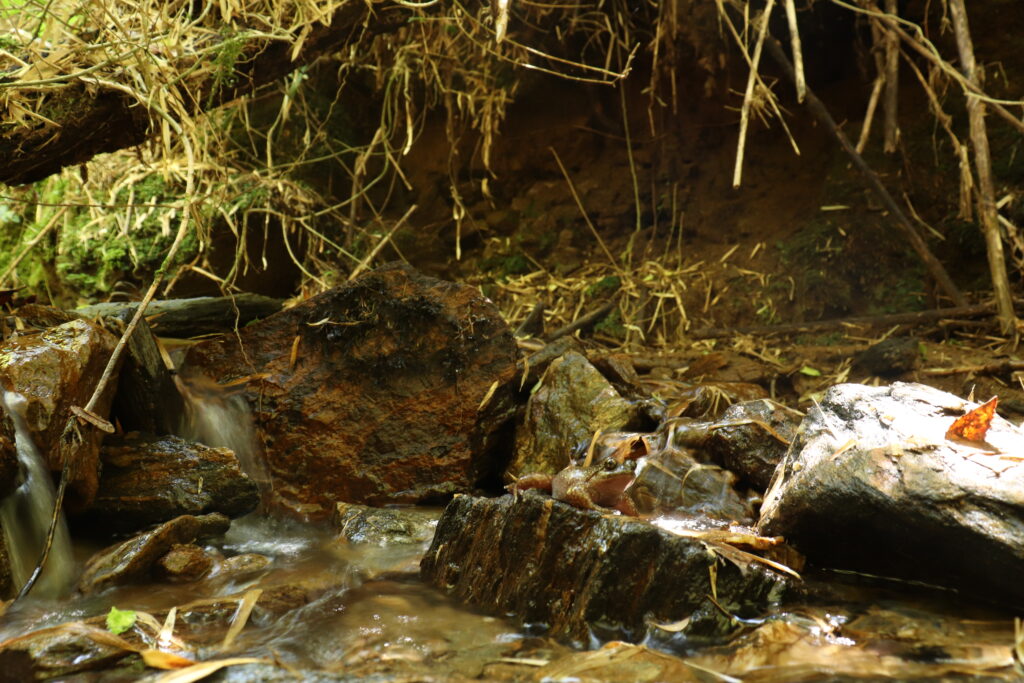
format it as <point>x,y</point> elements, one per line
<point>216,417</point>
<point>25,515</point>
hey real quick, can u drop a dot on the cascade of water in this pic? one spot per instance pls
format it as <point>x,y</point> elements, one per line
<point>25,514</point>
<point>216,417</point>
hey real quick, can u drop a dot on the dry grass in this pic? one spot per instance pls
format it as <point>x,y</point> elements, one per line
<point>457,59</point>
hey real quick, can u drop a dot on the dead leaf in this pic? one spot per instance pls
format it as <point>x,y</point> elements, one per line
<point>158,659</point>
<point>974,425</point>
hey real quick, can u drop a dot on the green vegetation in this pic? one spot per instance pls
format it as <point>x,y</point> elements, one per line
<point>119,621</point>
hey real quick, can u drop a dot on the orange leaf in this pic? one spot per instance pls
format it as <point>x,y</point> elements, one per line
<point>165,660</point>
<point>974,424</point>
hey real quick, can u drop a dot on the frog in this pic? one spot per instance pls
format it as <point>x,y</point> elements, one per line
<point>599,486</point>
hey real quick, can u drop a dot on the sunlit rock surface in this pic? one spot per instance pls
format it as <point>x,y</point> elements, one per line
<point>147,480</point>
<point>395,387</point>
<point>582,575</point>
<point>54,371</point>
<point>571,403</point>
<point>873,483</point>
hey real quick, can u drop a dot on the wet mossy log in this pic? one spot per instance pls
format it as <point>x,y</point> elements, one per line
<point>582,574</point>
<point>184,318</point>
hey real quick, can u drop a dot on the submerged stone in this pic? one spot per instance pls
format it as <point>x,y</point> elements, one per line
<point>873,483</point>
<point>393,388</point>
<point>134,560</point>
<point>384,526</point>
<point>583,575</point>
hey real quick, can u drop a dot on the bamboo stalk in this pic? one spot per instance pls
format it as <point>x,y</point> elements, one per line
<point>748,95</point>
<point>892,82</point>
<point>983,166</point>
<point>794,45</point>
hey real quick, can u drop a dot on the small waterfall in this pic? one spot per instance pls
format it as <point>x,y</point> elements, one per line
<point>25,515</point>
<point>217,417</point>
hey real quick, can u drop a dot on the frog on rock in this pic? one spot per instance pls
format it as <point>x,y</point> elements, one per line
<point>599,486</point>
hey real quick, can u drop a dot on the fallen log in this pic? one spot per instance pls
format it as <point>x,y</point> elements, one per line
<point>184,318</point>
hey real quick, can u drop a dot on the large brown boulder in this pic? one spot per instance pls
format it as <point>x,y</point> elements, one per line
<point>54,371</point>
<point>392,388</point>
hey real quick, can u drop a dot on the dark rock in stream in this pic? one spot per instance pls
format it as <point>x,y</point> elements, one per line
<point>148,480</point>
<point>673,481</point>
<point>147,398</point>
<point>9,468</point>
<point>393,388</point>
<point>582,575</point>
<point>54,371</point>
<point>872,483</point>
<point>751,438</point>
<point>134,560</point>
<point>185,562</point>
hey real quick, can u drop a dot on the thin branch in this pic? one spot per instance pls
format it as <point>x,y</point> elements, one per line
<point>983,166</point>
<point>818,108</point>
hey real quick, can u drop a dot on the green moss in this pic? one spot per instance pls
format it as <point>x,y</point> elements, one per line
<point>605,285</point>
<point>611,325</point>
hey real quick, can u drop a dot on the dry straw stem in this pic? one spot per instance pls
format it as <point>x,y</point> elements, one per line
<point>769,96</point>
<point>920,44</point>
<point>798,55</point>
<point>748,94</point>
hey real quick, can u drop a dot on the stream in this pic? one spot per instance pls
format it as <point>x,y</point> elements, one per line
<point>337,606</point>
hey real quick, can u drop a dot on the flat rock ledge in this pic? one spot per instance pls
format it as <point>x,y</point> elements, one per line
<point>585,577</point>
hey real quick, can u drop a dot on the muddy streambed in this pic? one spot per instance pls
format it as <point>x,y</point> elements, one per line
<point>356,611</point>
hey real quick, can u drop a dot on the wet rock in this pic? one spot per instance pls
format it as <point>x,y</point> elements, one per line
<point>673,481</point>
<point>245,564</point>
<point>134,559</point>
<point>684,432</point>
<point>9,469</point>
<point>41,316</point>
<point>54,371</point>
<point>751,438</point>
<point>148,480</point>
<point>393,388</point>
<point>384,526</point>
<point>709,400</point>
<point>573,401</point>
<point>147,398</point>
<point>533,367</point>
<point>583,574</point>
<point>185,562</point>
<point>888,358</point>
<point>872,483</point>
<point>620,662</point>
<point>59,651</point>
